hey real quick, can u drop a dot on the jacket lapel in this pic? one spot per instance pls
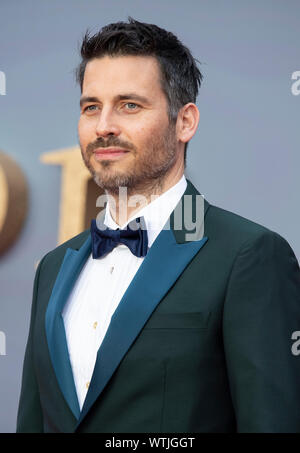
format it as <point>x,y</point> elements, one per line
<point>54,324</point>
<point>166,260</point>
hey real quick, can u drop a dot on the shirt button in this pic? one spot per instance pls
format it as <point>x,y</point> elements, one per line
<point>112,269</point>
<point>87,384</point>
<point>95,325</point>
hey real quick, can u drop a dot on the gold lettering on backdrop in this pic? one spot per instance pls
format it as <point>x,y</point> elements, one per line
<point>78,192</point>
<point>13,201</point>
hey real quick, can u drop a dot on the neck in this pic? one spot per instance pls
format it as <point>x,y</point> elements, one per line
<point>128,202</point>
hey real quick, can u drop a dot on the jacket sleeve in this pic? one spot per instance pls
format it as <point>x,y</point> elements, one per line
<point>261,312</point>
<point>30,417</point>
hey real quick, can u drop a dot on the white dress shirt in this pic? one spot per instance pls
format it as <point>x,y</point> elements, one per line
<point>101,285</point>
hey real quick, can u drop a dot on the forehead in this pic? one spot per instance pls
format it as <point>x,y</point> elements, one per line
<point>119,73</point>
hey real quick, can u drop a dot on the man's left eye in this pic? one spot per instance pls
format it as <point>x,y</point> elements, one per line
<point>131,105</point>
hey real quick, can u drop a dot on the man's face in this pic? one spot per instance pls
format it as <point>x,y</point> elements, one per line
<point>124,131</point>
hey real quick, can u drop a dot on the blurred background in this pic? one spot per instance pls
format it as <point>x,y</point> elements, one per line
<point>244,158</point>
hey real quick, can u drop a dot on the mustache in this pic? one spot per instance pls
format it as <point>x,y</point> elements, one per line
<point>111,141</point>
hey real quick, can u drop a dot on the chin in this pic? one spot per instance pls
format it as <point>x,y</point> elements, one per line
<point>111,183</point>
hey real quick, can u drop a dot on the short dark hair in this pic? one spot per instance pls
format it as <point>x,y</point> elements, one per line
<point>180,76</point>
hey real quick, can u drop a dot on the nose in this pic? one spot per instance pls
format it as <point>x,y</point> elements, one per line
<point>107,124</point>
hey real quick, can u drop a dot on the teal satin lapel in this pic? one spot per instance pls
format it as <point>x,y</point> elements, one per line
<point>165,258</point>
<point>55,331</point>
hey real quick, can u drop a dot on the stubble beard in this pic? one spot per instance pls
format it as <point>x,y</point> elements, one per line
<point>146,175</point>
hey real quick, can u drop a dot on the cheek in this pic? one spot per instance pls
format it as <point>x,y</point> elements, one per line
<point>147,133</point>
<point>84,131</point>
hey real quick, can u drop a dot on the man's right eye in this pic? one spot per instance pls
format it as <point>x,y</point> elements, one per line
<point>89,109</point>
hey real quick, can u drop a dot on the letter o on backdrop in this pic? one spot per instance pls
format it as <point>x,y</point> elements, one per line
<point>13,201</point>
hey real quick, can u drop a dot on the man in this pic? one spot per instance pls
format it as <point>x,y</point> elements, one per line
<point>168,328</point>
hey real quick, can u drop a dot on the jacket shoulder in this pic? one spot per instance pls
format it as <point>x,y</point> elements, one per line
<point>227,226</point>
<point>58,253</point>
<point>233,230</point>
<point>231,235</point>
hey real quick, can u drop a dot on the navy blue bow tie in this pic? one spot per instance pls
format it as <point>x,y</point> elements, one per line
<point>135,236</point>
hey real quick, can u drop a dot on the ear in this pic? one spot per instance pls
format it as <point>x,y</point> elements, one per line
<point>187,122</point>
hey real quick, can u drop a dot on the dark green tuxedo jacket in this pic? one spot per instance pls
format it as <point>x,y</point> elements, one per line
<point>200,342</point>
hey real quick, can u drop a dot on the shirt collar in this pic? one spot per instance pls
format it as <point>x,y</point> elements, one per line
<point>156,213</point>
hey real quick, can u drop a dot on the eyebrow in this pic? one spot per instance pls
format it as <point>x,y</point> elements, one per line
<point>120,97</point>
<point>85,99</point>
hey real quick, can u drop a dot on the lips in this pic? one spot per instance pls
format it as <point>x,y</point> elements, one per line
<point>109,150</point>
<point>106,153</point>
